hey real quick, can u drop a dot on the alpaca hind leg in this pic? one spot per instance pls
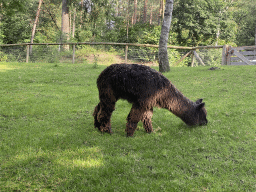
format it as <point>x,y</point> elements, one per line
<point>147,122</point>
<point>133,118</point>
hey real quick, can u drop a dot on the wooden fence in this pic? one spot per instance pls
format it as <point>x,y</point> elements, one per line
<point>245,55</point>
<point>230,55</point>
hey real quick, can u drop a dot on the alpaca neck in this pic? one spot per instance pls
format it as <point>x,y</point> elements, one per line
<point>176,102</point>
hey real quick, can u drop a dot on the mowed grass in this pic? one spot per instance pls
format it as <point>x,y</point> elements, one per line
<point>48,141</point>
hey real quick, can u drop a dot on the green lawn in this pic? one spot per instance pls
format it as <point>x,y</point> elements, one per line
<point>48,141</point>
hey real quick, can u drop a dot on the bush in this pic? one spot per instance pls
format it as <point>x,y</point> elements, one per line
<point>44,53</point>
<point>3,57</point>
<point>210,57</point>
<point>174,56</point>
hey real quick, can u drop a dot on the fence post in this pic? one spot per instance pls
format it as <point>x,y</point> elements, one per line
<point>224,55</point>
<point>126,53</point>
<point>193,59</point>
<point>198,58</point>
<point>229,55</point>
<point>27,56</point>
<point>73,56</point>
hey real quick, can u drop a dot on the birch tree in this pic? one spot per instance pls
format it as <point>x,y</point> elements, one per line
<point>162,52</point>
<point>34,25</point>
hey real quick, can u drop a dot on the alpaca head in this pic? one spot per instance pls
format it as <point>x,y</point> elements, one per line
<point>201,112</point>
<point>196,115</point>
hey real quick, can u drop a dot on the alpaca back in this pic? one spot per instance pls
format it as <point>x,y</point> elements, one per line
<point>135,83</point>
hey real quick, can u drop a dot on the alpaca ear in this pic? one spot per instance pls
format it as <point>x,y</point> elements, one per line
<point>200,106</point>
<point>199,101</point>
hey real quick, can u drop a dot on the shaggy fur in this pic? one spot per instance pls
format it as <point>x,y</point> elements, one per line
<point>145,88</point>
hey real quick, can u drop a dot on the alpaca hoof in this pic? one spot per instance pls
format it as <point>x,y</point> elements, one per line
<point>105,130</point>
<point>130,134</point>
<point>149,130</point>
<point>109,131</point>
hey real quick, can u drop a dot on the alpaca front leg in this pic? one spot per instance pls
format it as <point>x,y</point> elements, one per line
<point>106,127</point>
<point>102,115</point>
<point>105,122</point>
<point>147,122</point>
<point>130,128</point>
<point>97,124</point>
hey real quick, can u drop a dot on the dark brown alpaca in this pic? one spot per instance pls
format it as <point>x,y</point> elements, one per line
<point>145,88</point>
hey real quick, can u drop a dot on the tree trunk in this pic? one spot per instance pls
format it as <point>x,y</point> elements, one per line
<point>81,16</point>
<point>255,36</point>
<point>217,36</point>
<point>65,24</point>
<point>145,11</point>
<point>34,25</point>
<point>117,9</point>
<point>74,24</point>
<point>151,14</point>
<point>135,12</point>
<point>161,8</point>
<point>162,53</point>
<point>127,19</point>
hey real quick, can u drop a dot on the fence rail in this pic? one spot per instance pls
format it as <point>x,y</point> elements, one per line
<point>230,55</point>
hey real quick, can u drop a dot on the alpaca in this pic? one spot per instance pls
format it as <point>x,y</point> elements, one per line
<point>145,88</point>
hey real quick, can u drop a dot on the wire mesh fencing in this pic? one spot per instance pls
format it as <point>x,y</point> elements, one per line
<point>107,53</point>
<point>209,57</point>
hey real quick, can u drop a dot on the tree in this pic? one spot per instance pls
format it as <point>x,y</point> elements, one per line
<point>198,22</point>
<point>135,12</point>
<point>9,7</point>
<point>162,53</point>
<point>161,12</point>
<point>65,23</point>
<point>34,25</point>
<point>245,17</point>
<point>14,24</point>
<point>145,11</point>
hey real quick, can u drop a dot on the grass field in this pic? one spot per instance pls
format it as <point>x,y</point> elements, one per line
<point>48,141</point>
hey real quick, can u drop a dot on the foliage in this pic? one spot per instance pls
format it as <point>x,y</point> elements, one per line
<point>47,54</point>
<point>95,61</point>
<point>48,142</point>
<point>197,22</point>
<point>83,35</point>
<point>138,33</point>
<point>11,7</point>
<point>14,54</point>
<point>174,56</point>
<point>18,29</point>
<point>210,57</point>
<point>3,57</point>
<point>245,16</point>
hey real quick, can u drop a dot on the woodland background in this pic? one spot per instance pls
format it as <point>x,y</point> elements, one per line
<point>195,22</point>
